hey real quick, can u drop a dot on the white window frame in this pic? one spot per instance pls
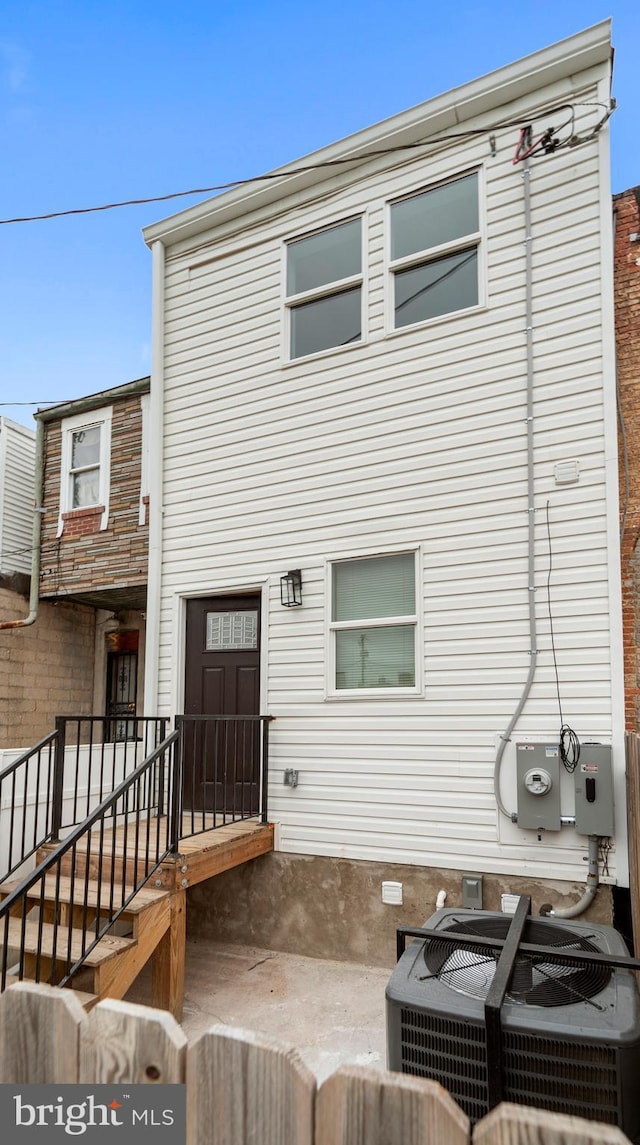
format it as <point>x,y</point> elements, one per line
<point>332,626</point>
<point>70,425</point>
<point>327,290</point>
<point>476,239</point>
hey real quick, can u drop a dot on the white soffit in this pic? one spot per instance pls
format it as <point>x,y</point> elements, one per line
<point>529,74</point>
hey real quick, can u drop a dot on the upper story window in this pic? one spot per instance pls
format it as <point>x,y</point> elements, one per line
<point>85,467</point>
<point>434,252</point>
<point>374,623</point>
<point>324,289</point>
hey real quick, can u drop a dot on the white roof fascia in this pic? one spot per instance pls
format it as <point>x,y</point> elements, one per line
<point>531,73</point>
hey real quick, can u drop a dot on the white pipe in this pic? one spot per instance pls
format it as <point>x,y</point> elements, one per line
<point>441,899</point>
<point>38,510</point>
<point>156,444</point>
<point>593,879</point>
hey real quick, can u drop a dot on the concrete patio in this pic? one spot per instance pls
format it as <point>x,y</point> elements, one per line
<point>331,1012</point>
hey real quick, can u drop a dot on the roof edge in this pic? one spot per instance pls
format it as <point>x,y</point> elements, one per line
<point>558,61</point>
<point>94,401</point>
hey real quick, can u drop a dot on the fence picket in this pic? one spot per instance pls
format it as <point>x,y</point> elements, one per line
<point>362,1106</point>
<point>39,1034</point>
<point>128,1043</point>
<point>521,1125</point>
<point>243,1088</point>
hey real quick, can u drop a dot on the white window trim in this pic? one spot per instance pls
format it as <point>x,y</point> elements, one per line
<point>327,290</point>
<point>477,239</point>
<point>416,619</point>
<point>69,426</point>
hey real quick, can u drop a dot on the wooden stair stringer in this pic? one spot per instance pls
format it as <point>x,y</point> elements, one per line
<point>112,979</point>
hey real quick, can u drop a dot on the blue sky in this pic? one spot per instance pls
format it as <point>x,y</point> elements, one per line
<point>100,103</point>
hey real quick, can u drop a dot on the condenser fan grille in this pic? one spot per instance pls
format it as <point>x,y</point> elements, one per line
<point>537,980</point>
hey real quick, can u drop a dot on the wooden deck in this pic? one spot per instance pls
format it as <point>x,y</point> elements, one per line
<point>156,915</point>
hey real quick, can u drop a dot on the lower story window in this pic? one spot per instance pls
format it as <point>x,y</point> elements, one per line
<point>374,622</point>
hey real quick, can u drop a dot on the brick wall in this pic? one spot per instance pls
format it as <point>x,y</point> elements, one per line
<point>46,670</point>
<point>627,307</point>
<point>85,558</point>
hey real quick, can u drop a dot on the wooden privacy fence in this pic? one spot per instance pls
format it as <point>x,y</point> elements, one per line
<point>243,1089</point>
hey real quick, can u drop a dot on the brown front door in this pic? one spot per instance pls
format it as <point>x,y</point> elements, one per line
<point>222,757</point>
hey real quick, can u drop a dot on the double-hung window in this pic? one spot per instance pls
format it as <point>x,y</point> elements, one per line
<point>85,465</point>
<point>374,623</point>
<point>435,237</point>
<point>324,289</point>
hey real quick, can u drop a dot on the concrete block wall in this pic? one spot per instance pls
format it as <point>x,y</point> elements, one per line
<point>84,558</point>
<point>46,669</point>
<point>627,312</point>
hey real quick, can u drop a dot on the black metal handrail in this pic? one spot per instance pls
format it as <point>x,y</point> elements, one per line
<point>93,742</point>
<point>24,784</point>
<point>58,949</point>
<point>226,769</point>
<point>46,790</point>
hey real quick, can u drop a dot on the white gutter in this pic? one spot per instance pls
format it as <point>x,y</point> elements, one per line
<point>444,113</point>
<point>156,450</point>
<point>34,589</point>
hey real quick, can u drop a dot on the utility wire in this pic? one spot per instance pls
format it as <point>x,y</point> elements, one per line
<point>305,168</point>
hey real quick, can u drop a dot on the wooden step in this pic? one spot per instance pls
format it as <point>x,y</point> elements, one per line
<point>108,947</point>
<point>62,890</point>
<point>163,877</point>
<point>87,1000</point>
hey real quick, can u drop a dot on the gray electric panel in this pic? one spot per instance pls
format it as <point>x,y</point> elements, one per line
<point>594,790</point>
<point>538,775</point>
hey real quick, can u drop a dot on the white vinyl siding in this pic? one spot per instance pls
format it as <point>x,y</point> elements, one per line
<point>413,440</point>
<point>17,470</point>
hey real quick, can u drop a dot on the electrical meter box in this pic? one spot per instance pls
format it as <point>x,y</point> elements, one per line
<point>594,790</point>
<point>538,777</point>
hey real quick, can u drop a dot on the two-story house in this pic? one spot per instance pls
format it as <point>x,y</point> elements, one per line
<point>384,450</point>
<point>94,537</point>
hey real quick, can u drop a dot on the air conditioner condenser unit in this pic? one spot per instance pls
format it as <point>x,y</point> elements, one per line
<point>568,1035</point>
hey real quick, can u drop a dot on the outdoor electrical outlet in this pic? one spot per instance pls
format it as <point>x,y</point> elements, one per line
<point>291,777</point>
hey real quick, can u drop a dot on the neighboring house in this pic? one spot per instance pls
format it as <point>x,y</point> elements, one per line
<point>95,538</point>
<point>43,667</point>
<point>83,654</point>
<point>627,304</point>
<point>359,379</point>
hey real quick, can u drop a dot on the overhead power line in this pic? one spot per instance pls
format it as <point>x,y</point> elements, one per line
<point>304,168</point>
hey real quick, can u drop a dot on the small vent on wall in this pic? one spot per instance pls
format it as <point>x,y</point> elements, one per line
<point>567,472</point>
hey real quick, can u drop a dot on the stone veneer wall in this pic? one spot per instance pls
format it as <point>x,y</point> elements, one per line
<point>85,558</point>
<point>332,908</point>
<point>627,312</point>
<point>46,669</point>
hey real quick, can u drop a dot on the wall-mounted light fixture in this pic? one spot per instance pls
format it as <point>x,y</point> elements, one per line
<point>291,589</point>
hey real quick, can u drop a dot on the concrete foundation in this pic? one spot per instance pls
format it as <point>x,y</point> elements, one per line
<point>332,908</point>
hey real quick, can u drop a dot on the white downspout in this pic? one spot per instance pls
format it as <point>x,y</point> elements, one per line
<point>38,510</point>
<point>155,440</point>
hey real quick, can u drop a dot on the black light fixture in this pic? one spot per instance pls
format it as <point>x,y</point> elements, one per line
<point>291,589</point>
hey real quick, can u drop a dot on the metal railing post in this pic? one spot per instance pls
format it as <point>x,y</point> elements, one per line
<point>161,768</point>
<point>265,767</point>
<point>175,808</point>
<point>58,778</point>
